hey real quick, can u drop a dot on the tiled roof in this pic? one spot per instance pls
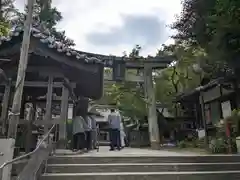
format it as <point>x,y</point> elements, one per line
<point>47,38</point>
<point>50,41</point>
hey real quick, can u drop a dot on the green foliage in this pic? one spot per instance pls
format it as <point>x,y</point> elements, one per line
<point>135,53</point>
<point>43,13</point>
<point>182,144</point>
<point>225,26</point>
<point>128,98</point>
<point>47,14</point>
<point>234,120</point>
<point>218,146</point>
<point>192,24</point>
<point>4,28</point>
<point>49,17</point>
<point>179,77</point>
<point>214,25</point>
<point>221,141</point>
<point>7,12</point>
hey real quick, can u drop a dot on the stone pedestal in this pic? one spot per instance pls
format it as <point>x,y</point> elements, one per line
<point>6,154</point>
<point>62,144</point>
<point>155,145</point>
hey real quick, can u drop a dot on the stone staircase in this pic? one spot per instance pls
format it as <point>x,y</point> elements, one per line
<point>141,167</point>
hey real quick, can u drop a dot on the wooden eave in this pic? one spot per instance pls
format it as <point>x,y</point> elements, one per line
<point>71,64</point>
<point>186,96</point>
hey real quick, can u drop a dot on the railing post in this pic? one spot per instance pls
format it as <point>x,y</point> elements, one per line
<point>1,173</point>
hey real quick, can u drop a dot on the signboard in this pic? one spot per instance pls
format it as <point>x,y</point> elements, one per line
<point>70,111</point>
<point>201,133</point>
<point>226,109</point>
<point>119,67</point>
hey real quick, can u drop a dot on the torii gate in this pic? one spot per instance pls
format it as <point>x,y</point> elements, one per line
<point>119,66</point>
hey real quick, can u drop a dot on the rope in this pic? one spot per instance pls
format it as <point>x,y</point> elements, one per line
<point>10,113</point>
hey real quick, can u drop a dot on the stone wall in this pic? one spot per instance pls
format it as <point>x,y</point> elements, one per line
<point>6,150</point>
<point>139,138</point>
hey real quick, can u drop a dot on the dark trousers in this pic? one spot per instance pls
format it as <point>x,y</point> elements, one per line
<point>79,141</point>
<point>88,140</point>
<point>94,138</point>
<point>115,140</point>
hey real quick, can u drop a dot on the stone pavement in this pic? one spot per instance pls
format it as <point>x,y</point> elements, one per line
<point>126,152</point>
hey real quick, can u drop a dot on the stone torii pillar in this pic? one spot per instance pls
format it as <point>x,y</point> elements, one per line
<point>5,104</point>
<point>151,106</point>
<point>48,115</point>
<point>63,118</point>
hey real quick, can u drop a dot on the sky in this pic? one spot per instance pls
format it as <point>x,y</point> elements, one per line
<point>114,26</point>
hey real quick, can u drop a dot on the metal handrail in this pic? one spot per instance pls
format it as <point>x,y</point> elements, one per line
<point>28,154</point>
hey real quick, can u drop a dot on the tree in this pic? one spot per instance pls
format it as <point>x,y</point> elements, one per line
<point>49,17</point>
<point>169,82</point>
<point>135,53</point>
<point>128,98</point>
<point>178,77</point>
<point>7,12</point>
<point>213,25</point>
<point>224,23</point>
<point>47,14</point>
<point>192,24</point>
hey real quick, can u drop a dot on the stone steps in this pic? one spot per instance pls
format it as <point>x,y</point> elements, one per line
<point>79,159</point>
<point>141,167</point>
<point>128,165</point>
<point>220,175</point>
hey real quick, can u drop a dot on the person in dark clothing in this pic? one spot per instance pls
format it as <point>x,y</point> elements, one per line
<point>115,141</point>
<point>114,121</point>
<point>88,141</point>
<point>78,133</point>
<point>79,125</point>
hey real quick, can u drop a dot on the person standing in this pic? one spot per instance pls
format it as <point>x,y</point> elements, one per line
<point>114,121</point>
<point>87,129</point>
<point>78,133</point>
<point>122,135</point>
<point>94,132</point>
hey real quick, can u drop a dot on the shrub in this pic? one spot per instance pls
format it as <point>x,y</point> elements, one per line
<point>182,144</point>
<point>218,146</point>
<point>195,143</point>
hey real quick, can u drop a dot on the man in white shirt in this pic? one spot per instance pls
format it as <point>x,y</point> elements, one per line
<point>122,135</point>
<point>88,128</point>
<point>114,120</point>
<point>93,132</point>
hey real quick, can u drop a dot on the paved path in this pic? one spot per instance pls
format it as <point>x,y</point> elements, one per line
<point>126,152</point>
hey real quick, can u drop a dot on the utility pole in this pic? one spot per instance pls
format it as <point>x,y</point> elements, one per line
<point>16,106</point>
<point>151,107</point>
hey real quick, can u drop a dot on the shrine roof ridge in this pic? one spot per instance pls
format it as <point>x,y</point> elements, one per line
<point>47,38</point>
<point>50,41</point>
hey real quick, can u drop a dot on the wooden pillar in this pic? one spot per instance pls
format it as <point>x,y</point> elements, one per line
<point>151,106</point>
<point>48,115</point>
<point>30,119</point>
<point>22,66</point>
<point>5,104</point>
<point>63,118</point>
<point>204,119</point>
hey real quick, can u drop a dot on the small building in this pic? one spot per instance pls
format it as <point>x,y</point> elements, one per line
<point>56,76</point>
<point>206,105</point>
